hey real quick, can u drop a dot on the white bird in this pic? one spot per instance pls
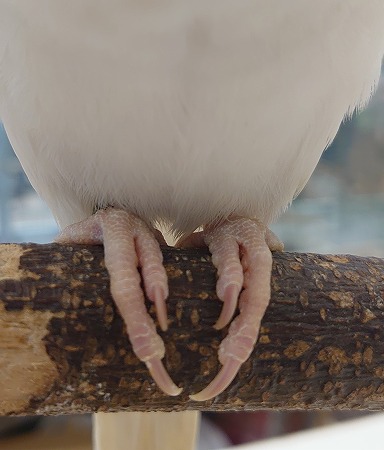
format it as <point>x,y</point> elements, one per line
<point>183,113</point>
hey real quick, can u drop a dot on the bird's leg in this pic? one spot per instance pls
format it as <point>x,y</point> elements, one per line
<point>241,252</point>
<point>130,243</point>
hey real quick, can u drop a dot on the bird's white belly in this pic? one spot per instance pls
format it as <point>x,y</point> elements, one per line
<point>178,110</point>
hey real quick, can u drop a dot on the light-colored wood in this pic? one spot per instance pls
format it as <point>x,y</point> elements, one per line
<point>144,431</point>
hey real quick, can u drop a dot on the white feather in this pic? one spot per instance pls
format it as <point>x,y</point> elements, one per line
<point>181,111</point>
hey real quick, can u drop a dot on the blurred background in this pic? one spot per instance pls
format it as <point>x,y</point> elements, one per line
<point>341,210</point>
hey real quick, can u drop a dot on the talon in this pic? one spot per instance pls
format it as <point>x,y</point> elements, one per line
<point>222,380</point>
<point>162,378</point>
<point>230,299</point>
<point>158,297</point>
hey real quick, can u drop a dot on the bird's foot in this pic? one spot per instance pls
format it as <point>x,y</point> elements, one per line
<point>130,243</point>
<point>241,252</point>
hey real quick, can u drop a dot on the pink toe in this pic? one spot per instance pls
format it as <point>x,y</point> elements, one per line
<point>153,273</point>
<point>226,258</point>
<point>88,231</point>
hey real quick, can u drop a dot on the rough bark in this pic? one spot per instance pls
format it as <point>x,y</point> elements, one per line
<point>63,347</point>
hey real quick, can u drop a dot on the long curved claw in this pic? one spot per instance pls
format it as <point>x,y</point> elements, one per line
<point>162,378</point>
<point>230,300</point>
<point>159,298</point>
<point>222,380</point>
<point>224,248</point>
<point>153,272</point>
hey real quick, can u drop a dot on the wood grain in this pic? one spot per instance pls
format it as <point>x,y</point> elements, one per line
<point>64,350</point>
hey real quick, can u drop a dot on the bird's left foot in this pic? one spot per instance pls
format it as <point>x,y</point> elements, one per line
<point>241,252</point>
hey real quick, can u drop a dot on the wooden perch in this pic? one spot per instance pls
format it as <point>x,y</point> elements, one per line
<point>63,347</point>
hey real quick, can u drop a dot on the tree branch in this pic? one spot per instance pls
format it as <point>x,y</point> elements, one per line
<point>63,347</point>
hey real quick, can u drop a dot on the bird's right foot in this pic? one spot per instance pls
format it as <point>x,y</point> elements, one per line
<point>130,243</point>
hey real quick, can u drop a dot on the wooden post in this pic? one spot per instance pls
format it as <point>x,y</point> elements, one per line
<point>64,350</point>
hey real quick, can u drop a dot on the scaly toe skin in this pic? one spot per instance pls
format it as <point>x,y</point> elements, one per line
<point>241,254</point>
<point>129,243</point>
